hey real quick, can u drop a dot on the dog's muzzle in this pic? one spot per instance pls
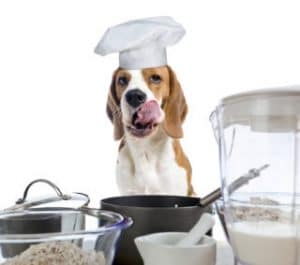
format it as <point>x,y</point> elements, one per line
<point>145,119</point>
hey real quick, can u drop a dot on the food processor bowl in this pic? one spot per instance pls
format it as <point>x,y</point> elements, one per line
<point>262,229</point>
<point>62,236</point>
<point>261,129</point>
<point>219,209</point>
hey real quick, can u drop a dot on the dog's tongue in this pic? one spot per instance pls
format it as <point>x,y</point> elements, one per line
<point>148,113</point>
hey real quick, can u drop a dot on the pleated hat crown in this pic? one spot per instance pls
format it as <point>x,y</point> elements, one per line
<point>141,43</point>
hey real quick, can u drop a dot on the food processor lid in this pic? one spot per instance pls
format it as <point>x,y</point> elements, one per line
<point>287,91</point>
<point>267,110</point>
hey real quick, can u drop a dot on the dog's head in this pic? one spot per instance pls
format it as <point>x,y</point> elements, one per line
<point>140,101</point>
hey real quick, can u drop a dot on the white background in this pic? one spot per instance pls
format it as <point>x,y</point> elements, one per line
<point>53,87</point>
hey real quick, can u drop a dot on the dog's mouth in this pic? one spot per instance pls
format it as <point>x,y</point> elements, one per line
<point>145,120</point>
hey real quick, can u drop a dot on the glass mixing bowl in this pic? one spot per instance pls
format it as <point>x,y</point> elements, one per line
<point>60,236</point>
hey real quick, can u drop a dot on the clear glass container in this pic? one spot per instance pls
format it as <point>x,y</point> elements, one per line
<point>256,129</point>
<point>60,236</point>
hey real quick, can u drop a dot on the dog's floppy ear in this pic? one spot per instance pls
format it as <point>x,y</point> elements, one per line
<point>113,109</point>
<point>175,108</point>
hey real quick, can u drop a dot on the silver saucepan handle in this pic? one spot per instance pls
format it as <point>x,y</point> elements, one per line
<point>241,181</point>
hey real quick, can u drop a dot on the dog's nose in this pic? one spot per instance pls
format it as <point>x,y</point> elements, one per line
<point>135,97</point>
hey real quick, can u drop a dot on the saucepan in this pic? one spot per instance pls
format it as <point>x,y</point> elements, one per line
<point>161,213</point>
<point>151,214</point>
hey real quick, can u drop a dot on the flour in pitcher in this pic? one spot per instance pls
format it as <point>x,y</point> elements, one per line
<point>265,242</point>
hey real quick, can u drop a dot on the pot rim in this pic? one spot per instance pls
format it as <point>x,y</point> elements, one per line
<point>110,201</point>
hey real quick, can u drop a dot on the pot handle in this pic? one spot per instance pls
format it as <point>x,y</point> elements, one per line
<point>241,181</point>
<point>51,184</point>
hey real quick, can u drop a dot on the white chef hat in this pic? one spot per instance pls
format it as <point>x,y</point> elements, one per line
<point>141,43</point>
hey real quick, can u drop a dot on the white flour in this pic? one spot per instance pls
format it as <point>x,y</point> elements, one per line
<point>57,253</point>
<point>265,242</point>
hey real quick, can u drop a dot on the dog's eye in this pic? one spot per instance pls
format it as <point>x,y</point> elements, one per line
<point>123,81</point>
<point>156,79</point>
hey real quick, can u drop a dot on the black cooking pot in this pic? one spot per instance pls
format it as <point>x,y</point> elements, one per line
<point>152,214</point>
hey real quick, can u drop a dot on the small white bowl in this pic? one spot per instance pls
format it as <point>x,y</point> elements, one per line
<point>160,249</point>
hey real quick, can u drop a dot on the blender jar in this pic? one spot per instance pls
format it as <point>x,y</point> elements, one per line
<point>260,130</point>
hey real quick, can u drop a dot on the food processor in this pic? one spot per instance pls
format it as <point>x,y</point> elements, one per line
<point>260,129</point>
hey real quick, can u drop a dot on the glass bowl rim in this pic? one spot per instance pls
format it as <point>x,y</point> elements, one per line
<point>122,222</point>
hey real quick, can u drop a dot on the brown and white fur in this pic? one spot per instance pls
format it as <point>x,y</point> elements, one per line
<point>153,163</point>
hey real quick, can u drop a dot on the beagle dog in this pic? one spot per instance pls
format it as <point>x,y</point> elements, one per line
<point>147,108</point>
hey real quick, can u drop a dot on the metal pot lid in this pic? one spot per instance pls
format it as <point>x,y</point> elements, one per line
<point>76,200</point>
